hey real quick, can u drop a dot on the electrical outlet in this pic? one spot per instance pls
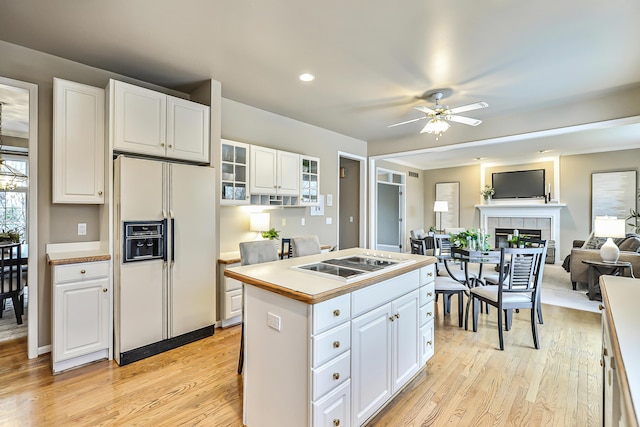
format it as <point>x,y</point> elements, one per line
<point>82,229</point>
<point>284,222</point>
<point>302,221</point>
<point>273,321</point>
<point>329,221</point>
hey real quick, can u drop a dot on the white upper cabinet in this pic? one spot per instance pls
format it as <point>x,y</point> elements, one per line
<point>78,143</point>
<point>274,172</point>
<point>234,172</point>
<point>309,181</point>
<point>152,123</point>
<point>288,173</point>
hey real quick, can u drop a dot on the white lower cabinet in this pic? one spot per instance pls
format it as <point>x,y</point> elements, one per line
<point>337,362</point>
<point>230,294</point>
<point>81,319</point>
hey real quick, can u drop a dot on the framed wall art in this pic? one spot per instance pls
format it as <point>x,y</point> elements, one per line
<point>449,192</point>
<point>613,194</point>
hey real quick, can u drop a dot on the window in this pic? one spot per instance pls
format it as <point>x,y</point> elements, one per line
<point>13,203</point>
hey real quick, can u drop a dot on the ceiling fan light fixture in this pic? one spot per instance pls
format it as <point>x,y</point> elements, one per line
<point>436,126</point>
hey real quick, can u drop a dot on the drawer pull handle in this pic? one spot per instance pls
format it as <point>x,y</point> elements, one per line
<point>105,290</point>
<point>430,294</point>
<point>83,271</point>
<point>336,376</point>
<point>336,344</point>
<point>601,307</point>
<point>601,362</point>
<point>336,422</point>
<point>336,313</point>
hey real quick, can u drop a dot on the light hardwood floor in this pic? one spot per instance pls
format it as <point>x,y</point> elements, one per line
<point>469,382</point>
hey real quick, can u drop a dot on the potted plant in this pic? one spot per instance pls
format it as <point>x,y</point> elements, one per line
<point>487,192</point>
<point>10,236</point>
<point>272,234</point>
<point>634,216</point>
<point>471,240</point>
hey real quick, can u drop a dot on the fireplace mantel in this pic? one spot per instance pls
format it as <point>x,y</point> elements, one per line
<point>524,211</point>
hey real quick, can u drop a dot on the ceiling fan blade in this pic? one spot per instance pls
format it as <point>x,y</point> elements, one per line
<point>425,110</point>
<point>408,121</point>
<point>468,107</point>
<point>463,120</point>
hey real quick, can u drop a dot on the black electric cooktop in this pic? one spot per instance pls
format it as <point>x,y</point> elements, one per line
<point>323,267</point>
<point>360,263</point>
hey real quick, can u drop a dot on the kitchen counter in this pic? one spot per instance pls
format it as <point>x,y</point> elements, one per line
<point>620,328</point>
<point>233,257</point>
<point>74,253</point>
<point>279,277</point>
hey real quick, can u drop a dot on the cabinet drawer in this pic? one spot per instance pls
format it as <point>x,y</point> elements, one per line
<point>376,295</point>
<point>426,343</point>
<point>332,312</point>
<point>231,284</point>
<point>331,343</point>
<point>427,293</point>
<point>81,271</point>
<point>335,408</point>
<point>232,303</point>
<point>331,375</point>
<point>426,312</point>
<point>427,274</point>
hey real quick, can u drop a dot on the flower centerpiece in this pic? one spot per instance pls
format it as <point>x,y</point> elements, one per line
<point>475,240</point>
<point>487,192</point>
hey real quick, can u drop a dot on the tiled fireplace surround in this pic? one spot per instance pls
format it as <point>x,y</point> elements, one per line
<point>543,217</point>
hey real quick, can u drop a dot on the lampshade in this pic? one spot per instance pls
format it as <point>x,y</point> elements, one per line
<point>259,221</point>
<point>605,226</point>
<point>441,206</point>
<point>436,126</point>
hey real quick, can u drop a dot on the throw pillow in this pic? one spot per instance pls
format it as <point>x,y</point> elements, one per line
<point>630,244</point>
<point>594,242</point>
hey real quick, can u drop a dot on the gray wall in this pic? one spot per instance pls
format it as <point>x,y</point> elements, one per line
<point>349,203</point>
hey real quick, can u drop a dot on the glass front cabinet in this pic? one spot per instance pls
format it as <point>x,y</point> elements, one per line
<point>310,180</point>
<point>234,173</point>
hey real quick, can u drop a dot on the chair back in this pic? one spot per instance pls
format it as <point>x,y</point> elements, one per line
<point>286,251</point>
<point>442,244</point>
<point>305,245</point>
<point>10,269</point>
<point>520,269</point>
<point>417,233</point>
<point>257,252</point>
<point>418,246</point>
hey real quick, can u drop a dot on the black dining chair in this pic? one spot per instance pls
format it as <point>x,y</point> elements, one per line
<point>11,284</point>
<point>286,250</point>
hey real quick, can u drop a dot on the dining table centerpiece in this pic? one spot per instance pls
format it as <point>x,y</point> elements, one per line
<point>471,240</point>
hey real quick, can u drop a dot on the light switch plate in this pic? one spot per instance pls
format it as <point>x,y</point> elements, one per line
<point>329,199</point>
<point>329,220</point>
<point>82,229</point>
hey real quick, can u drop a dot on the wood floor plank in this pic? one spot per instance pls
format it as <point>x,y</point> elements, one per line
<point>468,381</point>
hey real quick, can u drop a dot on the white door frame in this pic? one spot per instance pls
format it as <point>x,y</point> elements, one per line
<point>362,233</point>
<point>32,221</point>
<point>373,198</point>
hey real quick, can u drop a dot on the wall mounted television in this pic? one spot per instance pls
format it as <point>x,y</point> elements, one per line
<point>518,184</point>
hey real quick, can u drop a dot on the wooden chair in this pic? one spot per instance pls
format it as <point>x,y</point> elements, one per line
<point>255,252</point>
<point>518,284</point>
<point>11,283</point>
<point>305,245</point>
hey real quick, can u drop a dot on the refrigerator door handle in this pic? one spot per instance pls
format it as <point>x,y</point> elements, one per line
<point>164,214</point>
<point>164,249</point>
<point>173,240</point>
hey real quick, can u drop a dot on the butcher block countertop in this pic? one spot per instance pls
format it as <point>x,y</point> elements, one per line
<point>310,287</point>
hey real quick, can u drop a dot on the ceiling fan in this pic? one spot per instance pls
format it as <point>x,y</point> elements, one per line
<point>439,115</point>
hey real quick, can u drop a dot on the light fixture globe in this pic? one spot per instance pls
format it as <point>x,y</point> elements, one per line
<point>436,126</point>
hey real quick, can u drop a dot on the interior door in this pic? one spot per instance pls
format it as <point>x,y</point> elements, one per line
<point>192,282</point>
<point>389,217</point>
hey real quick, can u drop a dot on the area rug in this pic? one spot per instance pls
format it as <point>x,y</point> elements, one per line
<point>557,290</point>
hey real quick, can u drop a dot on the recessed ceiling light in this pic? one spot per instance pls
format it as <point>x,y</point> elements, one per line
<point>306,77</point>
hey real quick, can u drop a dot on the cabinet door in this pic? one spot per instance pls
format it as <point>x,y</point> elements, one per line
<point>81,318</point>
<point>406,357</point>
<point>263,170</point>
<point>309,181</point>
<point>288,173</point>
<point>187,130</point>
<point>371,362</point>
<point>139,124</point>
<point>78,143</point>
<point>234,173</point>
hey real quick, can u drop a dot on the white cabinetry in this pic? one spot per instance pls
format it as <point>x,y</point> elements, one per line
<point>274,177</point>
<point>81,319</point>
<point>230,292</point>
<point>234,173</point>
<point>78,143</point>
<point>309,180</point>
<point>152,123</point>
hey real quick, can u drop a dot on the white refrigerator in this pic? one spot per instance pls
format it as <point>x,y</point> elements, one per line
<point>163,303</point>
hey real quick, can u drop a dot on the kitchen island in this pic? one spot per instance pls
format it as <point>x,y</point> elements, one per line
<point>330,339</point>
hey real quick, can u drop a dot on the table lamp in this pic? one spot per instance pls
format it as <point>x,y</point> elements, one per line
<point>608,226</point>
<point>259,222</point>
<point>440,206</point>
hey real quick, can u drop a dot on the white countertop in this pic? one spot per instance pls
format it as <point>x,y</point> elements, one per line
<point>71,253</point>
<point>279,277</point>
<point>621,296</point>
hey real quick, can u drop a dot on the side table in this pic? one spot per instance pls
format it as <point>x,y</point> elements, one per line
<point>599,268</point>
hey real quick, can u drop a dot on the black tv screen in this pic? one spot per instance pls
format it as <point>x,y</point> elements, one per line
<point>518,184</point>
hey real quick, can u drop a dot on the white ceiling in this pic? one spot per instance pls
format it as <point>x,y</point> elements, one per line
<point>371,58</point>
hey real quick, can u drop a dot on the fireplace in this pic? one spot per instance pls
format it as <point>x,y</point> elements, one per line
<point>502,235</point>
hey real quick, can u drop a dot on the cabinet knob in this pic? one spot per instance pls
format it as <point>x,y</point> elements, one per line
<point>430,274</point>
<point>336,313</point>
<point>601,307</point>
<point>429,343</point>
<point>336,422</point>
<point>83,271</point>
<point>105,290</point>
<point>170,146</point>
<point>99,193</point>
<point>605,352</point>
<point>601,362</point>
<point>430,294</point>
<point>336,344</point>
<point>397,316</point>
<point>336,376</point>
<point>162,144</point>
<point>429,314</point>
<point>393,319</point>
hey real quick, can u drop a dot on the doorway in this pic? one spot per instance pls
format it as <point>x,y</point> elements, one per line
<point>390,210</point>
<point>18,198</point>
<point>351,201</point>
